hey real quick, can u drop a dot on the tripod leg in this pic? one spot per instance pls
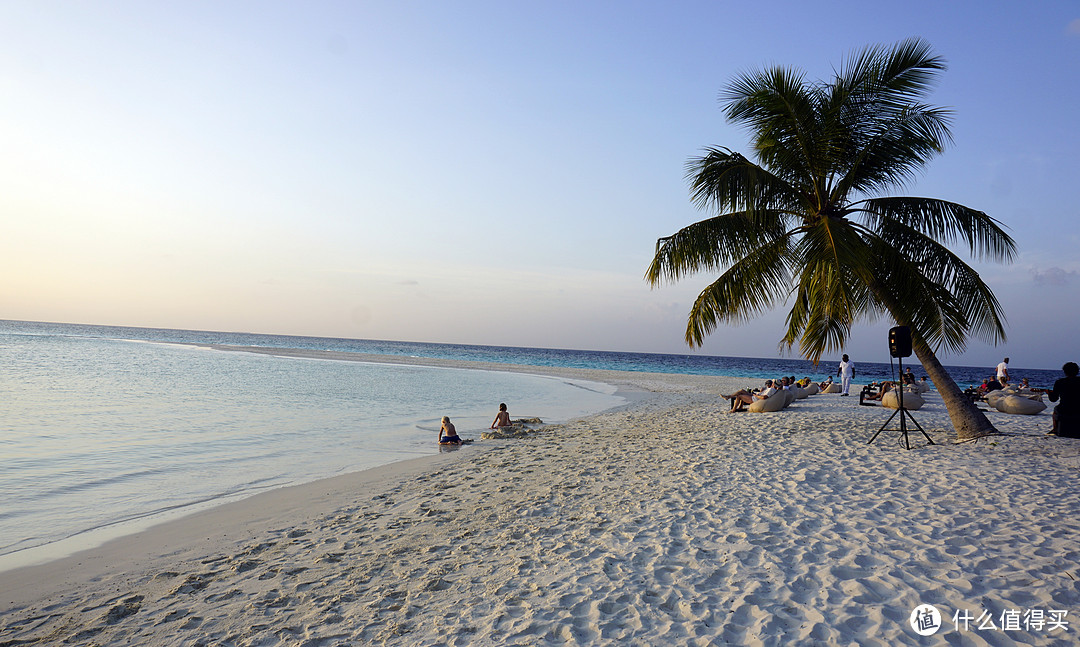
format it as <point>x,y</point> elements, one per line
<point>919,427</point>
<point>882,428</point>
<point>903,424</point>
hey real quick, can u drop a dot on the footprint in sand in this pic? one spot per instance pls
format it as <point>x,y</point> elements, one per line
<point>129,606</point>
<point>247,565</point>
<point>193,583</point>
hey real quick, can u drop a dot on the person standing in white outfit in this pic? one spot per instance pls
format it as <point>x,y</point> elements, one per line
<point>1003,372</point>
<point>846,372</point>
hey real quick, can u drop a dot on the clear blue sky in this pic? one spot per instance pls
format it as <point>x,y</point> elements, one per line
<point>474,172</point>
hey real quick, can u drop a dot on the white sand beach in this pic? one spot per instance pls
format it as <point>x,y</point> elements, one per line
<point>665,522</point>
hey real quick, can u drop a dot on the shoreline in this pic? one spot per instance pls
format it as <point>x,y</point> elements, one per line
<point>47,541</point>
<point>664,520</point>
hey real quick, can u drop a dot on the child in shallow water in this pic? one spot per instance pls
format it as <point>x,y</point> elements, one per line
<point>503,418</point>
<point>450,437</point>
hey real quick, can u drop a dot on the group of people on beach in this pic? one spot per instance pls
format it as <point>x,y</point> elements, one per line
<point>743,397</point>
<point>448,432</point>
<point>1066,415</point>
<point>1066,392</point>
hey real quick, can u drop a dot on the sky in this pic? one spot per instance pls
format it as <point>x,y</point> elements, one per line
<point>477,172</point>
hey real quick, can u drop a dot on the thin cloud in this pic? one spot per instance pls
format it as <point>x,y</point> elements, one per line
<point>1053,276</point>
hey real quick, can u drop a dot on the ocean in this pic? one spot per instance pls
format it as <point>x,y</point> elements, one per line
<point>104,430</point>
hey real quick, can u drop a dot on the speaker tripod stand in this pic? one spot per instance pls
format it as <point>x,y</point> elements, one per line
<point>904,416</point>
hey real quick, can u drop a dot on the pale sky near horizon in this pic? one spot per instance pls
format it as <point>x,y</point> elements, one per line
<point>475,172</point>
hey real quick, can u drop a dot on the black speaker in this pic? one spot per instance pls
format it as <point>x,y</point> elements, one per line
<point>900,341</point>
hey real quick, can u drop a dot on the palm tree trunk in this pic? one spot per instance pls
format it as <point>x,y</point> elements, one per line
<point>967,419</point>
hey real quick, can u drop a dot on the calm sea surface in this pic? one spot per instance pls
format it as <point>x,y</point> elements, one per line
<point>106,428</point>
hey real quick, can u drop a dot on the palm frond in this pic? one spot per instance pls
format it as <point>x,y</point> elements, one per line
<point>711,244</point>
<point>722,180</point>
<point>750,287</point>
<point>835,266</point>
<point>894,75</point>
<point>779,109</point>
<point>944,221</point>
<point>975,310</point>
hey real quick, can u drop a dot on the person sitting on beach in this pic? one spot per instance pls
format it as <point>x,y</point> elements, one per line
<point>886,386</point>
<point>993,385</point>
<point>502,419</point>
<point>450,437</point>
<point>743,397</point>
<point>826,384</point>
<point>1066,417</point>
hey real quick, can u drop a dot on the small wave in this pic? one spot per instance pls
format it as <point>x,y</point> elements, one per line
<point>583,387</point>
<point>72,488</point>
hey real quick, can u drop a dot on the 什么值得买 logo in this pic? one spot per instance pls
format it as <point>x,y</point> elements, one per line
<point>925,619</point>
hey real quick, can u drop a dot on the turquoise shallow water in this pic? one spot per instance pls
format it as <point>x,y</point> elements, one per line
<point>98,433</point>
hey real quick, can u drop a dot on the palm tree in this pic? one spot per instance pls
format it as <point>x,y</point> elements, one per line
<point>807,224</point>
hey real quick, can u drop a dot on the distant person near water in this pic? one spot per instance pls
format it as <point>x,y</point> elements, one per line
<point>846,371</point>
<point>450,437</point>
<point>1067,412</point>
<point>502,419</point>
<point>1003,372</point>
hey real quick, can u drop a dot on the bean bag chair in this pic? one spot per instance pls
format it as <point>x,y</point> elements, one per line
<point>832,388</point>
<point>912,401</point>
<point>800,393</point>
<point>789,397</point>
<point>1019,404</point>
<point>812,389</point>
<point>993,396</point>
<point>924,387</point>
<point>774,402</point>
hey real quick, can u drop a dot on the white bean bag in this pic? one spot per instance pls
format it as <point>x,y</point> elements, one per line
<point>912,401</point>
<point>1019,404</point>
<point>800,393</point>
<point>924,387</point>
<point>993,396</point>
<point>832,388</point>
<point>774,402</point>
<point>812,389</point>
